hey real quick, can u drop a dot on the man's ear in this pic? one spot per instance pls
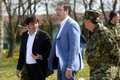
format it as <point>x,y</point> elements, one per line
<point>67,12</point>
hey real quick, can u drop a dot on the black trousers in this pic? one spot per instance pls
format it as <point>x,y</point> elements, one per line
<point>34,72</point>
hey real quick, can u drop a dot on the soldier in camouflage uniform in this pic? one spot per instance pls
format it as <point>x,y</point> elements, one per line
<point>114,27</point>
<point>101,50</point>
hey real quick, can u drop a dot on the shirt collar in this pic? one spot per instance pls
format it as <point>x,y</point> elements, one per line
<point>111,23</point>
<point>32,34</point>
<point>64,21</point>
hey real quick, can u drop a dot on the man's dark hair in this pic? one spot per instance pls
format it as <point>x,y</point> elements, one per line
<point>31,18</point>
<point>113,14</point>
<point>66,6</point>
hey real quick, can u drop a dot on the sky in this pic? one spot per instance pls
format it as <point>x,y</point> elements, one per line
<point>79,6</point>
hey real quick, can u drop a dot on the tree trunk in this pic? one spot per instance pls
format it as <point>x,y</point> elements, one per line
<point>12,45</point>
<point>114,5</point>
<point>74,12</point>
<point>85,4</point>
<point>1,31</point>
<point>102,8</point>
<point>49,20</point>
<point>90,4</point>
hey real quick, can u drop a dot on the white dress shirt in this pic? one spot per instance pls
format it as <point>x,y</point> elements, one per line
<point>62,24</point>
<point>29,59</point>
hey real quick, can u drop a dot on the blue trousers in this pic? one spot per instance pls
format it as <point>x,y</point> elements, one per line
<point>61,75</point>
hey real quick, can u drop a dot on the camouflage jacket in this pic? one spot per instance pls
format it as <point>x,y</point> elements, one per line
<point>101,47</point>
<point>115,30</point>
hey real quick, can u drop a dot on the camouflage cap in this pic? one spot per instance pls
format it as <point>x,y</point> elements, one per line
<point>92,14</point>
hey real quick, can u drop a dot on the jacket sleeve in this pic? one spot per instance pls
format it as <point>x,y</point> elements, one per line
<point>21,58</point>
<point>47,46</point>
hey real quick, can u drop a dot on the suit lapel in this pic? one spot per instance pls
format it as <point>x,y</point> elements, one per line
<point>25,42</point>
<point>37,35</point>
<point>26,38</point>
<point>65,26</point>
<point>36,38</point>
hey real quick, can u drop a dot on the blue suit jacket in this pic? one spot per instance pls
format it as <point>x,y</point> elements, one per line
<point>68,48</point>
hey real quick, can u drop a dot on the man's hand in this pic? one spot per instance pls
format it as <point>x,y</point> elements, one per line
<point>68,74</point>
<point>18,73</point>
<point>37,56</point>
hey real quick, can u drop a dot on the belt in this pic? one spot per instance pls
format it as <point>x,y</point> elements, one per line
<point>30,65</point>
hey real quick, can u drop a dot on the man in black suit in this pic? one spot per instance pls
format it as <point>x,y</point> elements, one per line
<point>34,51</point>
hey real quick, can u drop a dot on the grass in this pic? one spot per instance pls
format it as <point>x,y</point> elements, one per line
<point>8,69</point>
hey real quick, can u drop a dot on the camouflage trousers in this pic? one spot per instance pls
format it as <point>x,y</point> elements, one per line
<point>25,73</point>
<point>103,73</point>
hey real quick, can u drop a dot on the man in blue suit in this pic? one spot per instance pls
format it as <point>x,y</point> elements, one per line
<point>65,55</point>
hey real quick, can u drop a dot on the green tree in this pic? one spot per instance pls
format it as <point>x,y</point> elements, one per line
<point>17,10</point>
<point>1,30</point>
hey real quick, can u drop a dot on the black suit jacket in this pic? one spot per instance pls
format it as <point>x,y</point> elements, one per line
<point>41,45</point>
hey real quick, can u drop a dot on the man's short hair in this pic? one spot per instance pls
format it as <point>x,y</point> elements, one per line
<point>31,18</point>
<point>65,5</point>
<point>113,14</point>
